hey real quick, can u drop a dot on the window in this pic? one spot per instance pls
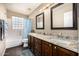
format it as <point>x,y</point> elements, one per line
<point>17,22</point>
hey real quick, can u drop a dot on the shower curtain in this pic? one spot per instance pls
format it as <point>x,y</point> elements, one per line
<point>27,28</point>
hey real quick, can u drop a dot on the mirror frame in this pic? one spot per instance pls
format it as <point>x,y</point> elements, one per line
<point>42,19</point>
<point>74,17</point>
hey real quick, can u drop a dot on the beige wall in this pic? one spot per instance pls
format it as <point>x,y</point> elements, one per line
<point>2,43</point>
<point>9,17</point>
<point>47,19</point>
<point>11,13</point>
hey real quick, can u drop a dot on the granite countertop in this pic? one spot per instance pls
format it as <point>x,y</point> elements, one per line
<point>68,44</point>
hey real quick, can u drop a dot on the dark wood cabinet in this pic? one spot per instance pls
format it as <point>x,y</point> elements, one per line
<point>54,50</point>
<point>46,49</point>
<point>37,47</point>
<point>31,43</point>
<point>42,48</point>
<point>59,51</point>
<point>64,52</point>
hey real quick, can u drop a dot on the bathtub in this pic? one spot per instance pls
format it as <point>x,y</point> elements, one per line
<point>13,43</point>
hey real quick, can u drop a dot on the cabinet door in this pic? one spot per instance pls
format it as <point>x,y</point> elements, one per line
<point>37,47</point>
<point>65,52</point>
<point>43,49</point>
<point>32,43</point>
<point>54,50</point>
<point>29,41</point>
<point>46,49</point>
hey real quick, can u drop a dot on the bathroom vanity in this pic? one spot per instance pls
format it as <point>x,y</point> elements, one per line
<point>41,45</point>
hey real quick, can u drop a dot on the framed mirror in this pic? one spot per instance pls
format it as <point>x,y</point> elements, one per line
<point>40,21</point>
<point>64,16</point>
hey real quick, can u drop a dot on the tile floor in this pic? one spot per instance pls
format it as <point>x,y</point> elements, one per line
<point>18,51</point>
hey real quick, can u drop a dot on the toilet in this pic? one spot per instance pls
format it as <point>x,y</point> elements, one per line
<point>25,42</point>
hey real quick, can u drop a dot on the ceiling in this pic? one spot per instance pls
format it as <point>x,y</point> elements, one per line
<point>23,8</point>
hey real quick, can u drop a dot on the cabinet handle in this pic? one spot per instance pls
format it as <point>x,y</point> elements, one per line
<point>55,47</point>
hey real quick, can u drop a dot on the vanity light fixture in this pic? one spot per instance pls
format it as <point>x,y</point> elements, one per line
<point>47,6</point>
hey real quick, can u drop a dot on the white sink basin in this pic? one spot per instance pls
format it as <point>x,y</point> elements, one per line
<point>58,40</point>
<point>63,41</point>
<point>66,42</point>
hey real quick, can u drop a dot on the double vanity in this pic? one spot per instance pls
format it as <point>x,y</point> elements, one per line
<point>44,45</point>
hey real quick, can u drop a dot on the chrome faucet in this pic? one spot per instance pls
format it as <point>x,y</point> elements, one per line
<point>60,35</point>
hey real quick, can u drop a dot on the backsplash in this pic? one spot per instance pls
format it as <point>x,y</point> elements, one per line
<point>71,34</point>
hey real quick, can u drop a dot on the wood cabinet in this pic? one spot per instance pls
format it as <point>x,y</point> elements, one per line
<point>37,47</point>
<point>42,48</point>
<point>31,43</point>
<point>46,49</point>
<point>54,50</point>
<point>59,51</point>
<point>65,52</point>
